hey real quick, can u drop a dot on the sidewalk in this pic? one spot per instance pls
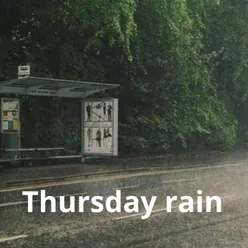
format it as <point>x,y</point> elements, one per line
<point>21,174</point>
<point>60,171</point>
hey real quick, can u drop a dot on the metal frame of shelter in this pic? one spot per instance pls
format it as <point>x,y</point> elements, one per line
<point>37,86</point>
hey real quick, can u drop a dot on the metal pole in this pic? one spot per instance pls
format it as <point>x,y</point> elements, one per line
<point>82,131</point>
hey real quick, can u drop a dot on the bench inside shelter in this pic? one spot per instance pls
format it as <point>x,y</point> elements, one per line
<point>37,153</point>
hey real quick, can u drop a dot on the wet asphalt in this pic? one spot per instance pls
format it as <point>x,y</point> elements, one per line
<point>162,229</point>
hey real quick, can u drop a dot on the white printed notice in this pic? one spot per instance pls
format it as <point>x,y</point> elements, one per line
<point>10,116</point>
<point>101,127</point>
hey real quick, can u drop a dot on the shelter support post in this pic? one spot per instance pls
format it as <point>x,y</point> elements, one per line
<point>82,131</point>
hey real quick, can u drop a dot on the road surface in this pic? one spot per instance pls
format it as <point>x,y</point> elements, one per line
<point>18,228</point>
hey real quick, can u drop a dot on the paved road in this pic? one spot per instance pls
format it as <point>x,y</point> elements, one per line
<point>18,228</point>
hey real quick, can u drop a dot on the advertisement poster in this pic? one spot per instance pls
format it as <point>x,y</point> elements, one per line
<point>100,111</point>
<point>100,126</point>
<point>10,109</point>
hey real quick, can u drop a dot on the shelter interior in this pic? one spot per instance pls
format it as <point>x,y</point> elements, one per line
<point>10,142</point>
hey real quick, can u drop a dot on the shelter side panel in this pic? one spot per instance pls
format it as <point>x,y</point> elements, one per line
<point>99,127</point>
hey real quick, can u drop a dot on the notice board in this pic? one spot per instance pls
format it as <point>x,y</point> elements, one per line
<point>10,115</point>
<point>100,127</point>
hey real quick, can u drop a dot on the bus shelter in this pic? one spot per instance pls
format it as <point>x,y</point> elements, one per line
<point>99,125</point>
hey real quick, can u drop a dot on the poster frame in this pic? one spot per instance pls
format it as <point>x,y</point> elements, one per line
<point>18,115</point>
<point>114,126</point>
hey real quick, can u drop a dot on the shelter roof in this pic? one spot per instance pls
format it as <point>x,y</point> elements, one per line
<point>38,86</point>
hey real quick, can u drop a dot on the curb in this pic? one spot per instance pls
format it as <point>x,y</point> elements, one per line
<point>84,175</point>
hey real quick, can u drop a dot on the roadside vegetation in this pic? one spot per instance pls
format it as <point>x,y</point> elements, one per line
<point>182,66</point>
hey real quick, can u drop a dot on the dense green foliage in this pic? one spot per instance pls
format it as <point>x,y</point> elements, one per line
<point>182,66</point>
